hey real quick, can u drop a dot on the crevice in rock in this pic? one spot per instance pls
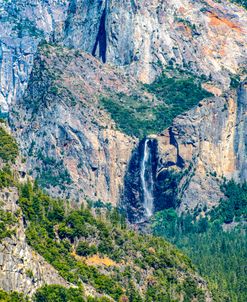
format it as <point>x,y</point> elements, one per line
<point>71,12</point>
<point>173,141</point>
<point>101,41</point>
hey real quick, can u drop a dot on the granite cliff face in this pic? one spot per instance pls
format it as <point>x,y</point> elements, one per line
<point>22,269</point>
<point>206,37</point>
<point>206,138</point>
<point>62,129</point>
<point>59,58</point>
<point>200,149</point>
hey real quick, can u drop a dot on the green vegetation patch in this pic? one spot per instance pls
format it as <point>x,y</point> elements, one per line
<point>6,178</point>
<point>61,236</point>
<point>12,297</point>
<point>234,206</point>
<point>139,116</point>
<point>240,2</point>
<point>26,27</point>
<point>8,146</point>
<point>57,293</point>
<point>52,173</point>
<point>7,221</point>
<point>235,81</point>
<point>219,255</point>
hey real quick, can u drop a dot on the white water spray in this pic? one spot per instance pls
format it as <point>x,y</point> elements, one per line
<point>147,181</point>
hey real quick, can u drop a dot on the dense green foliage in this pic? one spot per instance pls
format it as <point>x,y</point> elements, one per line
<point>11,297</point>
<point>8,151</point>
<point>134,115</point>
<point>7,220</point>
<point>219,255</point>
<point>139,116</point>
<point>241,2</point>
<point>232,208</point>
<point>56,233</point>
<point>52,173</point>
<point>57,293</point>
<point>8,146</point>
<point>179,92</point>
<point>6,178</point>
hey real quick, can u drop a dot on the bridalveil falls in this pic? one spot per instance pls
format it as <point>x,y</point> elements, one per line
<point>139,185</point>
<point>147,179</point>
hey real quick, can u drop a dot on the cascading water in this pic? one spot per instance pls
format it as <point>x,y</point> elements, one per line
<point>147,180</point>
<point>139,193</point>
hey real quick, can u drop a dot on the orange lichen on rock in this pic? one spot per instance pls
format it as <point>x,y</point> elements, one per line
<point>218,21</point>
<point>207,51</point>
<point>213,89</point>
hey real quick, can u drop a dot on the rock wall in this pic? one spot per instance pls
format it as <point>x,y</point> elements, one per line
<point>201,148</point>
<point>207,37</point>
<point>141,38</point>
<point>68,140</point>
<point>240,139</point>
<point>23,25</point>
<point>204,36</point>
<point>21,268</point>
<point>211,142</point>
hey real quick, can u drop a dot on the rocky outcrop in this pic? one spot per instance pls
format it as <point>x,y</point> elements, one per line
<point>206,36</point>
<point>202,148</point>
<point>207,138</point>
<point>22,27</point>
<point>73,147</point>
<point>69,141</point>
<point>21,268</point>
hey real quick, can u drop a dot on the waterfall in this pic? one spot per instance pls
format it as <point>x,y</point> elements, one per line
<point>139,194</point>
<point>147,180</point>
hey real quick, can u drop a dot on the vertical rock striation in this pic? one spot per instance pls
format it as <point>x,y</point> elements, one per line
<point>240,140</point>
<point>71,145</point>
<point>205,37</point>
